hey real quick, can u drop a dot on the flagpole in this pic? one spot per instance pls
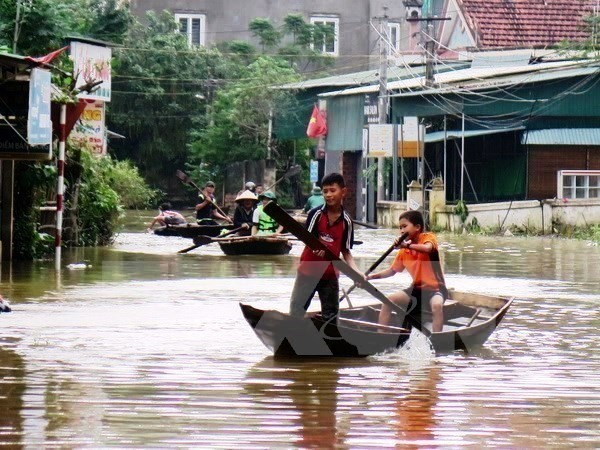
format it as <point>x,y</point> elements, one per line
<point>383,99</point>
<point>60,163</point>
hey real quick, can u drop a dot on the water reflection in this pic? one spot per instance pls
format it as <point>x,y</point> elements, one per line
<point>145,347</point>
<point>12,389</point>
<point>415,412</point>
<point>311,387</point>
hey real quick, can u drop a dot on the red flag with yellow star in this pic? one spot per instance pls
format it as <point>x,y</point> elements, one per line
<point>317,125</point>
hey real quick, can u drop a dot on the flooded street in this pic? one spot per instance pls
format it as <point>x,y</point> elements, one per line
<point>138,346</point>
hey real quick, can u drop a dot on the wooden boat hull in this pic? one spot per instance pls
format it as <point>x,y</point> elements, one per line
<point>255,245</point>
<point>469,320</point>
<point>191,230</point>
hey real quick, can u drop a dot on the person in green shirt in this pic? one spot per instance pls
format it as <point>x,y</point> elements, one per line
<point>316,199</point>
<point>262,223</point>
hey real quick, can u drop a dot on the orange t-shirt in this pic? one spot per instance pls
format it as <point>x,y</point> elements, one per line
<point>420,265</point>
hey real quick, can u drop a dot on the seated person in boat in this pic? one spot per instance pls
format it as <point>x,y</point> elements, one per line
<point>419,255</point>
<point>167,217</point>
<point>244,212</point>
<point>333,226</point>
<point>206,211</point>
<point>262,223</point>
<point>316,199</point>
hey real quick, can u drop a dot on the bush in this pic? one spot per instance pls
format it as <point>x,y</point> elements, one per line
<point>127,182</point>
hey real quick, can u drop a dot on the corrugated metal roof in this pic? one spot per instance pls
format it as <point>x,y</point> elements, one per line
<point>480,78</point>
<point>367,77</point>
<point>438,136</point>
<point>562,136</point>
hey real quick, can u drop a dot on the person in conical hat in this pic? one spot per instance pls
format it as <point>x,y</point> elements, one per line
<point>242,217</point>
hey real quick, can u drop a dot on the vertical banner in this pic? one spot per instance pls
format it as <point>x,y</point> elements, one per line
<point>90,128</point>
<point>39,125</point>
<point>91,63</point>
<point>314,171</point>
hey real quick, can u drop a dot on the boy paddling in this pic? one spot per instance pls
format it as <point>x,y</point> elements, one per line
<point>333,227</point>
<point>419,255</point>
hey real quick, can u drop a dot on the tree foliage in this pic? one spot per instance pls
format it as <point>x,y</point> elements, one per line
<point>161,91</point>
<point>239,116</point>
<point>297,41</point>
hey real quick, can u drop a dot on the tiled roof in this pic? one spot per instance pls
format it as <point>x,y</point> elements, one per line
<point>526,23</point>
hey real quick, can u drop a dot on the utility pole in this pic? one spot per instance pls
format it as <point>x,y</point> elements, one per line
<point>383,97</point>
<point>414,15</point>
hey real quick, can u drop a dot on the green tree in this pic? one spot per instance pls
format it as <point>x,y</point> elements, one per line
<point>268,36</point>
<point>240,116</point>
<point>161,89</point>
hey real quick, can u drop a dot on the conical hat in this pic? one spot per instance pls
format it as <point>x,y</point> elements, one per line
<point>246,195</point>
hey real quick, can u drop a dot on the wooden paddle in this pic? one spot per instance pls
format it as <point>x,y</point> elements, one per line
<point>187,180</point>
<point>201,240</point>
<point>365,224</point>
<point>375,264</point>
<point>294,170</point>
<point>311,241</point>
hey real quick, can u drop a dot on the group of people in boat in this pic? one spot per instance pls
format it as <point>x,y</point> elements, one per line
<point>331,224</point>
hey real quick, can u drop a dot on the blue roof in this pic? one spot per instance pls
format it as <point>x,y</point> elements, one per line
<point>562,136</point>
<point>438,136</point>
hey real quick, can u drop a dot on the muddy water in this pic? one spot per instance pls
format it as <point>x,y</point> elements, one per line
<point>137,346</point>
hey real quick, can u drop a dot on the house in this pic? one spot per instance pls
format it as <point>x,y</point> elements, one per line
<point>518,124</point>
<point>501,24</point>
<point>355,23</point>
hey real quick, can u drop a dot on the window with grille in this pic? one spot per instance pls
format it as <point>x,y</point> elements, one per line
<point>327,34</point>
<point>192,26</point>
<point>579,184</point>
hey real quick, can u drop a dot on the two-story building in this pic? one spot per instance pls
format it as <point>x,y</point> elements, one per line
<point>356,24</point>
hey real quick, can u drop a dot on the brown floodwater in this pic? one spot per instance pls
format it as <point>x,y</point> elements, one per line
<point>137,346</point>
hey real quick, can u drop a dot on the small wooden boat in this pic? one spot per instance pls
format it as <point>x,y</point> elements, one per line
<point>192,230</point>
<point>469,319</point>
<point>255,245</point>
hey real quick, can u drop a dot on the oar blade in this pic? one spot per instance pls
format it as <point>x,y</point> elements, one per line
<point>202,240</point>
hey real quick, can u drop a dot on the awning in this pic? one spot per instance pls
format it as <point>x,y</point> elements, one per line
<point>562,136</point>
<point>438,136</point>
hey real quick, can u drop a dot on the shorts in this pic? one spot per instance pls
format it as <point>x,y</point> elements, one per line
<point>420,299</point>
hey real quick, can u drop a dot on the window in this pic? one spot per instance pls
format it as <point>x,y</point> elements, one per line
<point>327,40</point>
<point>579,184</point>
<point>394,37</point>
<point>192,26</point>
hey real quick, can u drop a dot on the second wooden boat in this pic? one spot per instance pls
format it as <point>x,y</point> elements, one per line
<point>191,230</point>
<point>255,245</point>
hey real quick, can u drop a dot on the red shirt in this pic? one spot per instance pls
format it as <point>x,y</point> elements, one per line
<point>337,237</point>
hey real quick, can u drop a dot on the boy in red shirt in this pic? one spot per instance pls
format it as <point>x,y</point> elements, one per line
<point>333,226</point>
<point>419,256</point>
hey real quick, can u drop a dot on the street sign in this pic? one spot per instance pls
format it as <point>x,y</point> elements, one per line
<point>381,140</point>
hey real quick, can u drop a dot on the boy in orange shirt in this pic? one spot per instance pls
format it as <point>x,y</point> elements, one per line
<point>419,256</point>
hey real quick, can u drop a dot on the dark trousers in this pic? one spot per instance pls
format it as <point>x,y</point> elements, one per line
<point>304,290</point>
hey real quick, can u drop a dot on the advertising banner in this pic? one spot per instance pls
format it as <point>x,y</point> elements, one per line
<point>92,63</point>
<point>39,125</point>
<point>90,128</point>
